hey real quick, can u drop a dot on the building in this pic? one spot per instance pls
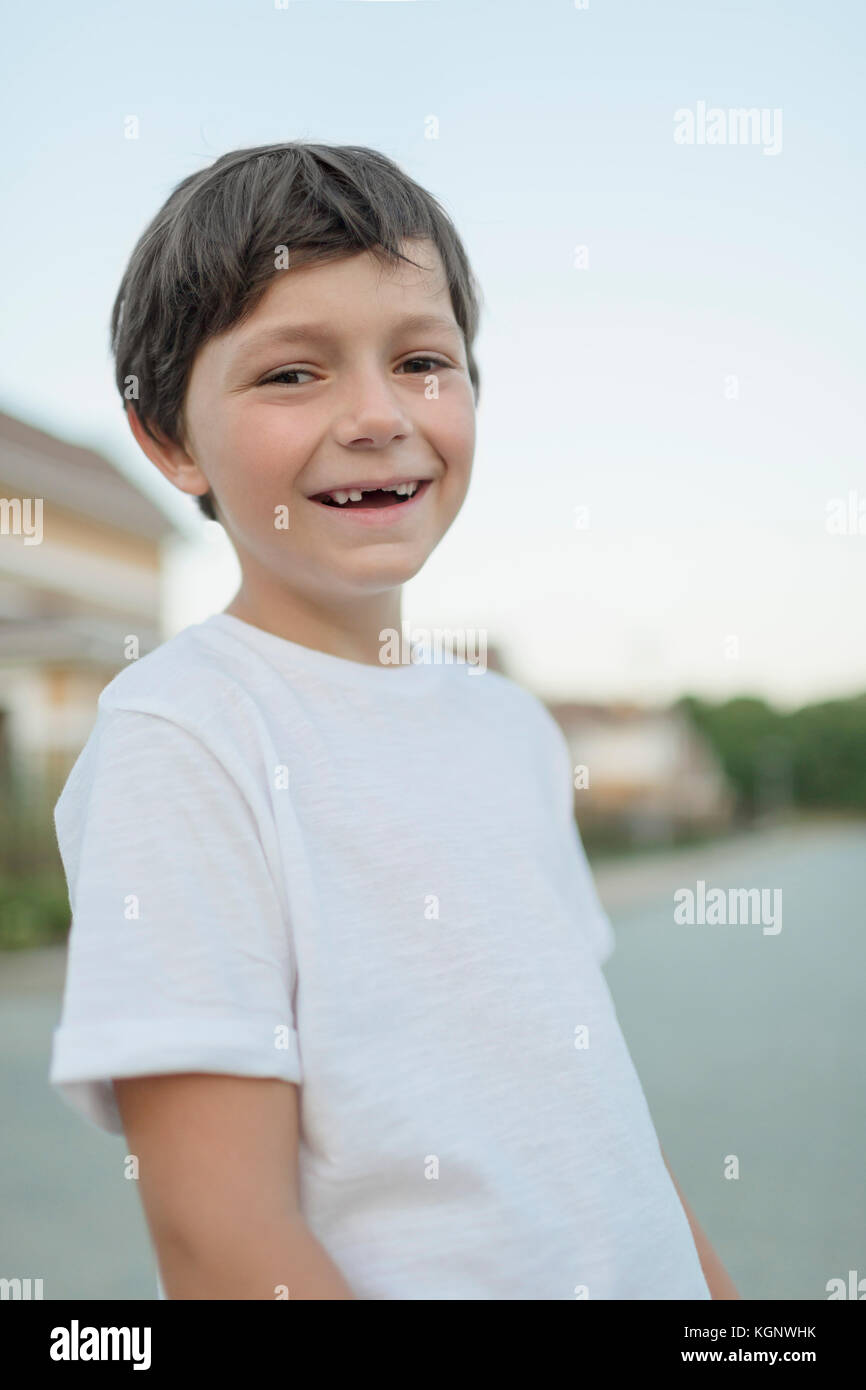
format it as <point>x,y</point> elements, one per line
<point>643,774</point>
<point>81,560</point>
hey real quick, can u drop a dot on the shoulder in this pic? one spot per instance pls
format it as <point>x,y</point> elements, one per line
<point>521,721</point>
<point>177,714</point>
<point>513,702</point>
<point>188,679</point>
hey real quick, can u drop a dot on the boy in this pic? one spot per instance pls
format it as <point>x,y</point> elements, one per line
<point>335,962</point>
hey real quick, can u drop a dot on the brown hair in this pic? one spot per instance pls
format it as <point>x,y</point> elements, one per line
<point>207,258</point>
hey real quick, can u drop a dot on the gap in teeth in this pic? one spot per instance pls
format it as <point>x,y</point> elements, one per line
<point>356,494</point>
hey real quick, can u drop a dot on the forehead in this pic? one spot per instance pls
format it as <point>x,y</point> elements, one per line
<point>346,292</point>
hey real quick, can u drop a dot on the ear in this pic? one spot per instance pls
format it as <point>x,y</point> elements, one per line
<point>171,459</point>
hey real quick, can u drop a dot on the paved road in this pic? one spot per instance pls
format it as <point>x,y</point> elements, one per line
<point>747,1043</point>
<point>754,1045</point>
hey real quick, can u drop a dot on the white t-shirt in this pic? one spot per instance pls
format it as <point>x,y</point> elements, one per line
<point>368,881</point>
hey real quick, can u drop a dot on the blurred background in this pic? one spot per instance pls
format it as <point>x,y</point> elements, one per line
<point>665,536</point>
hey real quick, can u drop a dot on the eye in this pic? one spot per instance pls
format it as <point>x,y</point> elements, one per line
<point>426,365</point>
<point>278,377</point>
<point>432,364</point>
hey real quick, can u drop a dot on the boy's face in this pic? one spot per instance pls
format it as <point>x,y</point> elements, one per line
<point>276,416</point>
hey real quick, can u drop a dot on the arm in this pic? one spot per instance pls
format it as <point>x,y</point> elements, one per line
<point>218,1173</point>
<point>718,1281</point>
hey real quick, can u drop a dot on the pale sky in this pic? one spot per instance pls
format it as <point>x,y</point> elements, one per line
<point>694,378</point>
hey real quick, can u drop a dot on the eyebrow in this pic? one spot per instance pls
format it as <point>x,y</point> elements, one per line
<point>321,333</point>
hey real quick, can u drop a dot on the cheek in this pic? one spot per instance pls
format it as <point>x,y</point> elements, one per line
<point>461,448</point>
<point>452,432</point>
<point>261,452</point>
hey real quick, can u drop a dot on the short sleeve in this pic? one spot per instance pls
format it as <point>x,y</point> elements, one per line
<point>584,894</point>
<point>179,955</point>
<point>579,884</point>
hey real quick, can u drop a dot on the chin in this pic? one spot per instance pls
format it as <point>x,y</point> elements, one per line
<point>382,571</point>
<point>379,579</point>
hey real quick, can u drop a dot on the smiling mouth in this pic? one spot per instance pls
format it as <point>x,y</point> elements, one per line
<point>371,499</point>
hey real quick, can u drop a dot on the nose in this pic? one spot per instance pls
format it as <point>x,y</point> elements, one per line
<point>372,413</point>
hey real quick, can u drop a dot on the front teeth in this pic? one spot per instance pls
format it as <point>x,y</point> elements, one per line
<point>355,495</point>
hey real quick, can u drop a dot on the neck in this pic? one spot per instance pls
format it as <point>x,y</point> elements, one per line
<point>348,629</point>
